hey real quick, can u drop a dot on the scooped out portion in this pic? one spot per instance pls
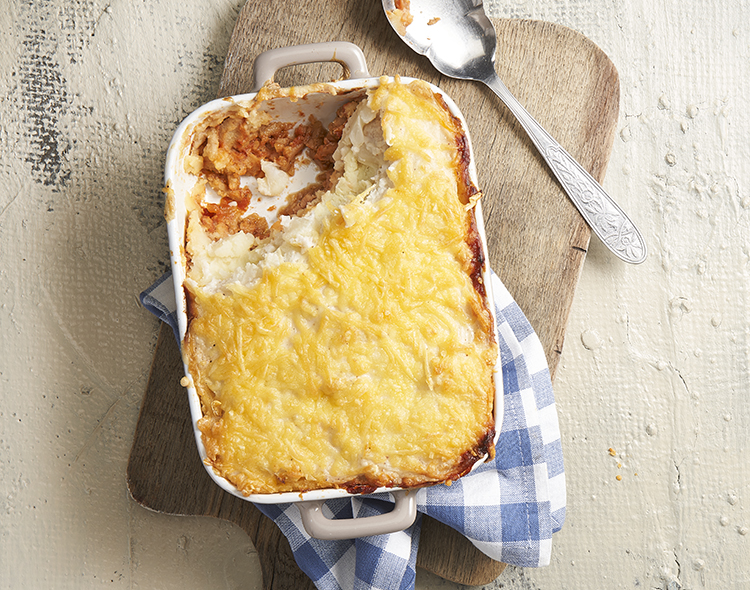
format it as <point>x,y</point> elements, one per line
<point>339,332</point>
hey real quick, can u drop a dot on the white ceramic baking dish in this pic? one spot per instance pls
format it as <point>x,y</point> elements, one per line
<point>324,106</point>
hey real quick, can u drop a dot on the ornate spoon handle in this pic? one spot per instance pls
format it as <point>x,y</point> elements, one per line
<point>603,215</point>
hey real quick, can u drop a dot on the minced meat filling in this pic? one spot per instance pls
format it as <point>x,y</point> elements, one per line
<point>234,148</point>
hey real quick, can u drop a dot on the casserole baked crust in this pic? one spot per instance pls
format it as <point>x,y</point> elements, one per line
<point>349,343</point>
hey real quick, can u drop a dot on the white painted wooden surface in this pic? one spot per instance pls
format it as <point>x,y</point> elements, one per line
<point>656,365</point>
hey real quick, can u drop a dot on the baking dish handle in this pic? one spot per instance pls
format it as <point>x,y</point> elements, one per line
<point>349,55</point>
<point>317,525</point>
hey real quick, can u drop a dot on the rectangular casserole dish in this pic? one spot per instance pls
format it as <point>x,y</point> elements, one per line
<point>200,194</point>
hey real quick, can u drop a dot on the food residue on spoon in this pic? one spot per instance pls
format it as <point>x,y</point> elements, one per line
<point>401,16</point>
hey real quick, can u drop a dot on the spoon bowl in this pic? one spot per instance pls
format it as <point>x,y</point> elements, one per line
<point>459,39</point>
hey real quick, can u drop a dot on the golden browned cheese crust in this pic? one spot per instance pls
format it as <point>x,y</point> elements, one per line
<point>350,344</point>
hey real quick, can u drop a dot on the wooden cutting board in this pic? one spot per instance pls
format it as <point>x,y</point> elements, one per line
<point>537,240</point>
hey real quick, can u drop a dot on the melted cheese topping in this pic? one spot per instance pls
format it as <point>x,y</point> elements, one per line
<point>367,357</point>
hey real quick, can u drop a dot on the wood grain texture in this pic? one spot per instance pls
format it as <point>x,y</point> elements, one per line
<point>537,240</point>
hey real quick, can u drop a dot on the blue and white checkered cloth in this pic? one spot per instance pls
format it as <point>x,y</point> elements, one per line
<point>508,508</point>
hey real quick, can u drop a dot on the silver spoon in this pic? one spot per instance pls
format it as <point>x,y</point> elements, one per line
<point>459,40</point>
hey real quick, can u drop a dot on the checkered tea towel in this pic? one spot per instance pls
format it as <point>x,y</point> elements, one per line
<point>508,507</point>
